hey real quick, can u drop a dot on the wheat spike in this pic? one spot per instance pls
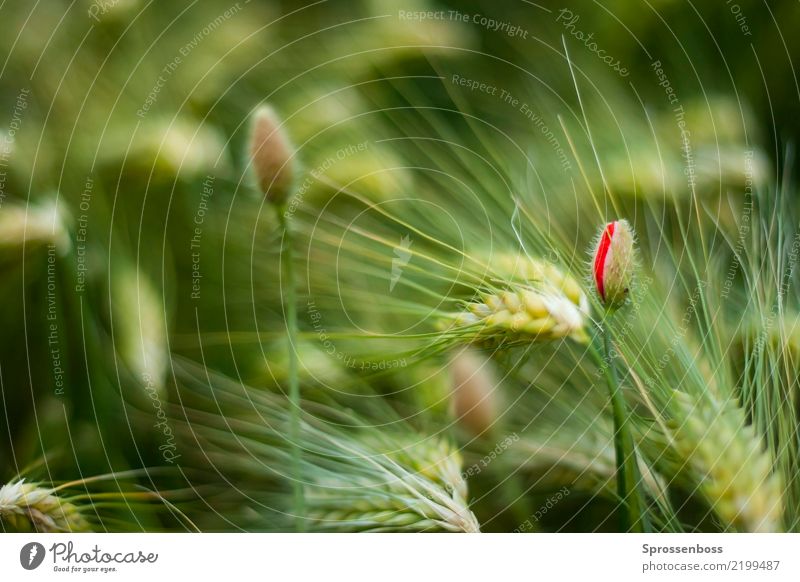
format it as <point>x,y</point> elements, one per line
<point>529,270</point>
<point>733,470</point>
<point>418,488</point>
<point>376,479</point>
<point>530,299</point>
<point>41,223</point>
<point>27,506</point>
<point>522,313</point>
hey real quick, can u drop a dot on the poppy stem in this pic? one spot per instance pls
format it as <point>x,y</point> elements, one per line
<point>628,480</point>
<point>288,288</point>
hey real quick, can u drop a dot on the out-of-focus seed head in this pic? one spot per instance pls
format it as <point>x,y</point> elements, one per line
<point>474,391</point>
<point>272,156</point>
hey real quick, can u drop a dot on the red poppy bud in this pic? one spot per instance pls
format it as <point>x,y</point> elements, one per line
<point>614,263</point>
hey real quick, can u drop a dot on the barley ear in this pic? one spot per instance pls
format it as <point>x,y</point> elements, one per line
<point>731,467</point>
<point>521,313</point>
<point>26,506</point>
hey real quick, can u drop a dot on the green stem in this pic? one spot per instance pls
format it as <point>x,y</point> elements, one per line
<point>294,380</point>
<point>631,504</point>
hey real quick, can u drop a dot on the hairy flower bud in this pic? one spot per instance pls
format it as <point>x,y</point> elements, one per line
<point>614,263</point>
<point>271,155</point>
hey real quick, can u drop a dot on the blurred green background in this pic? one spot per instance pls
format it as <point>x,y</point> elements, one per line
<point>131,232</point>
